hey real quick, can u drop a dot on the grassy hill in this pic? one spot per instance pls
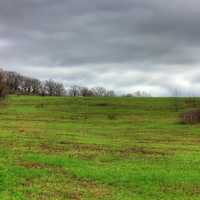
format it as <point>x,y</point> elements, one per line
<point>62,148</point>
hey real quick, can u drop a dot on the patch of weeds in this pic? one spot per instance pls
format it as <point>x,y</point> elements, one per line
<point>112,116</point>
<point>40,105</point>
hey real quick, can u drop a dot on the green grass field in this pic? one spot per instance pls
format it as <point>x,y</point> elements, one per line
<point>59,148</point>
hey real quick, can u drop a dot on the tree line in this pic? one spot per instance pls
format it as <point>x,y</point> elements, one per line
<point>15,83</point>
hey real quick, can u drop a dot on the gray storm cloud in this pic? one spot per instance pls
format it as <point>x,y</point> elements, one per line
<point>151,45</point>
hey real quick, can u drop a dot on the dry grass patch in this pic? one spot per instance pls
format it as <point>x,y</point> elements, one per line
<point>187,189</point>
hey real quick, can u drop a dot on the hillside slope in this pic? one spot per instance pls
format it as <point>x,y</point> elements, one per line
<point>97,148</point>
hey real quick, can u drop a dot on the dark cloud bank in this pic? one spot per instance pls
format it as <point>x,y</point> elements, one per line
<point>150,45</point>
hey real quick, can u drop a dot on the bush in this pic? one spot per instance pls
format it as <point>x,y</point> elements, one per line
<point>191,117</point>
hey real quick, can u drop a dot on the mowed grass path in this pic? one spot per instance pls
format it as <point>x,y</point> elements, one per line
<point>59,148</point>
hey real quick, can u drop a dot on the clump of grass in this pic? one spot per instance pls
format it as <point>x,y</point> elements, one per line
<point>112,116</point>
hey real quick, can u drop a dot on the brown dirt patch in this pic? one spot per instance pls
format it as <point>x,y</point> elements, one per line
<point>31,165</point>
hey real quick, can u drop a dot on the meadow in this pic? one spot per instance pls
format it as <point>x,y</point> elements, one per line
<point>60,148</point>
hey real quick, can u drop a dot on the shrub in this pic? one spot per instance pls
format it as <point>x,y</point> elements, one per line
<point>191,117</point>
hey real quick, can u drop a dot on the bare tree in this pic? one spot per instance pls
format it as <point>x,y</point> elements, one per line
<point>52,88</point>
<point>128,95</point>
<point>36,87</point>
<point>85,92</point>
<point>110,93</point>
<point>59,89</point>
<point>74,90</point>
<point>27,85</point>
<point>141,94</point>
<point>13,81</point>
<point>99,91</point>
<point>176,96</point>
<point>3,88</point>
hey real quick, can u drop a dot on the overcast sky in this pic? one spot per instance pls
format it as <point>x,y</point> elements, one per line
<point>126,45</point>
